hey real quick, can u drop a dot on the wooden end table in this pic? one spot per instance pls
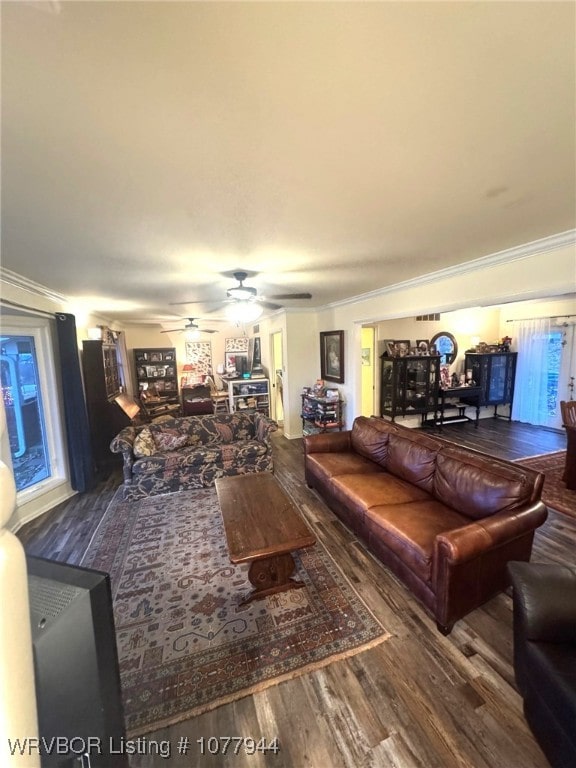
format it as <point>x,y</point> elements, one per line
<point>263,528</point>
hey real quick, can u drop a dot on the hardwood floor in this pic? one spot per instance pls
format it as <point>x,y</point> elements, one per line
<point>419,700</point>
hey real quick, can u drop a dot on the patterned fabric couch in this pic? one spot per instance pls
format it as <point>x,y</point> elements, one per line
<point>186,453</point>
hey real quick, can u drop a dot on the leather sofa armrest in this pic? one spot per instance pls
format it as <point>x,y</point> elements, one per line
<point>544,600</point>
<point>327,442</point>
<point>464,544</point>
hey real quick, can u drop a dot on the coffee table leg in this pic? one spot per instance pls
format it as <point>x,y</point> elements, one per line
<point>271,575</point>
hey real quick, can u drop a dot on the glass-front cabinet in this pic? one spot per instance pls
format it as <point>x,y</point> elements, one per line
<point>495,373</point>
<point>408,385</point>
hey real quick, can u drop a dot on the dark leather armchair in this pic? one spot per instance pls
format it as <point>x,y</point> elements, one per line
<point>544,600</point>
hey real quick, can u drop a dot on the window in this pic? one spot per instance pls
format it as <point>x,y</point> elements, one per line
<point>29,393</point>
<point>24,412</point>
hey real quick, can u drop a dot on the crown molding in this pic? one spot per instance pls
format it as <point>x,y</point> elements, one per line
<point>18,281</point>
<point>517,253</point>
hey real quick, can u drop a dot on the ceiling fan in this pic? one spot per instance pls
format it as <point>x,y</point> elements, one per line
<point>191,326</point>
<point>245,294</point>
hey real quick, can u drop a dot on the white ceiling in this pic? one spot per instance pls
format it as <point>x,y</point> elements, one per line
<point>150,149</point>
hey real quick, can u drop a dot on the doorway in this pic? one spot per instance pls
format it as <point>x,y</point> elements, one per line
<point>277,378</point>
<point>367,355</point>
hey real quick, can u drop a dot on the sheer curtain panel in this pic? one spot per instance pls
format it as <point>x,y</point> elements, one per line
<point>531,392</point>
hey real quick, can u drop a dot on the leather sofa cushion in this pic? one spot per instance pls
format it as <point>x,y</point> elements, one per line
<point>413,458</point>
<point>327,465</point>
<point>476,486</point>
<point>553,679</point>
<point>364,491</point>
<point>409,530</point>
<point>370,436</point>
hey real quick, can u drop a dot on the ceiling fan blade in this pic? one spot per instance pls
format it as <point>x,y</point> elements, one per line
<point>195,301</point>
<point>269,305</point>
<point>173,330</point>
<point>282,296</point>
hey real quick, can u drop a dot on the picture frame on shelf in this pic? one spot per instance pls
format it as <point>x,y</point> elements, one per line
<point>390,347</point>
<point>423,346</point>
<point>332,356</point>
<point>402,347</point>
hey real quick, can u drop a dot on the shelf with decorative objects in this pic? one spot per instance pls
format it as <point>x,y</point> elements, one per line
<point>249,395</point>
<point>409,385</point>
<point>321,412</point>
<point>156,373</point>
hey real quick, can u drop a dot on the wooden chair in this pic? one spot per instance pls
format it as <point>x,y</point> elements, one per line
<point>568,411</point>
<point>219,396</point>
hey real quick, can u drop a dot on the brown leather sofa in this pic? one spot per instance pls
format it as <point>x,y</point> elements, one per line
<point>446,520</point>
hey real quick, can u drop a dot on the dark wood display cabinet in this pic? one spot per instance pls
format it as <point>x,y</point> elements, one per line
<point>156,372</point>
<point>102,384</point>
<point>495,374</point>
<point>408,385</point>
<point>321,414</point>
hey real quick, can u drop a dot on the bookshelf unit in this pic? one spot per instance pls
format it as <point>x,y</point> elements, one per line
<point>320,414</point>
<point>249,395</point>
<point>156,369</point>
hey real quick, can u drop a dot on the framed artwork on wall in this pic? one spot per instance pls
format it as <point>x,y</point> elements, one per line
<point>239,344</point>
<point>199,354</point>
<point>332,356</point>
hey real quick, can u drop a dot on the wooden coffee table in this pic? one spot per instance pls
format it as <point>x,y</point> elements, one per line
<point>263,528</point>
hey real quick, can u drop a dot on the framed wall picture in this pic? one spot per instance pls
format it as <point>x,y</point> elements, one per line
<point>199,354</point>
<point>332,356</point>
<point>238,344</point>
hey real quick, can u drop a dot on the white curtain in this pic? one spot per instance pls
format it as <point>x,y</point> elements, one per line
<point>532,338</point>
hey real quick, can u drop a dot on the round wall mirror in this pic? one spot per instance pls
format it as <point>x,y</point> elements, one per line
<point>446,346</point>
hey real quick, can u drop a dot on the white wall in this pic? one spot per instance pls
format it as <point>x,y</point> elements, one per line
<point>546,276</point>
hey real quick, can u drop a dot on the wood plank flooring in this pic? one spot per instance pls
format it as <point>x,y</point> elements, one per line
<point>419,700</point>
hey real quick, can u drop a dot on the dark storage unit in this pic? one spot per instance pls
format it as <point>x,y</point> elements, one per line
<point>495,373</point>
<point>156,372</point>
<point>101,385</point>
<point>408,385</point>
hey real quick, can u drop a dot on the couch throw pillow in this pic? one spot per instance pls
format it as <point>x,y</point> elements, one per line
<point>170,440</point>
<point>144,444</point>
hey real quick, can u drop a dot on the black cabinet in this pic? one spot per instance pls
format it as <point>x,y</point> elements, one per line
<point>102,384</point>
<point>495,373</point>
<point>156,372</point>
<point>408,385</point>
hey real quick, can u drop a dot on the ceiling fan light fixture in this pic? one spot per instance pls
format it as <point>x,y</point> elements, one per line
<point>243,311</point>
<point>241,293</point>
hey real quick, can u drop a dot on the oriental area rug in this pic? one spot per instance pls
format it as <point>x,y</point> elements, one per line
<point>185,644</point>
<point>554,494</point>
